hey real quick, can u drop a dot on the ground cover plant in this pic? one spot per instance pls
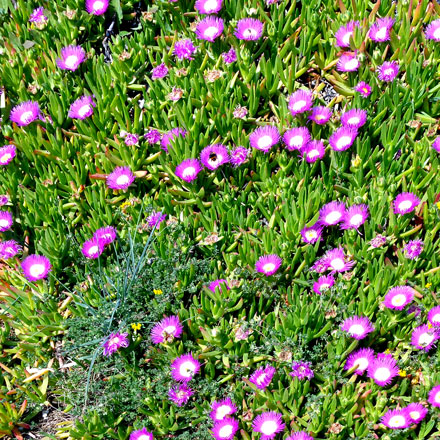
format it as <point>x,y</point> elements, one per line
<point>219,219</point>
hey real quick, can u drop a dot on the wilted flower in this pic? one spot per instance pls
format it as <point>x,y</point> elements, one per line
<point>175,94</point>
<point>180,394</point>
<point>152,136</point>
<point>159,71</point>
<point>413,249</point>
<point>169,136</point>
<point>240,112</point>
<point>131,139</point>
<point>378,241</point>
<point>238,155</point>
<point>9,249</point>
<point>38,17</point>
<point>230,56</point>
<point>302,370</point>
<point>155,219</point>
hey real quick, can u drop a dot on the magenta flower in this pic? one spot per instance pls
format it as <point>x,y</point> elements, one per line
<point>230,56</point>
<point>225,429</point>
<point>184,49</point>
<point>344,33</point>
<point>302,370</point>
<point>313,151</point>
<point>7,153</point>
<point>361,359</point>
<point>332,213</point>
<point>152,137</point>
<point>120,178</point>
<point>348,63</point>
<point>311,234</point>
<point>300,101</point>
<point>4,199</point>
<point>297,138</point>
<point>249,29</point>
<point>71,58</point>
<point>159,71</point>
<point>433,31</point>
<point>214,284</point>
<point>170,136</point>
<point>9,249</point>
<point>25,113</point>
<point>396,419</point>
<point>436,143</point>
<point>155,219</point>
<point>388,71</point>
<point>300,435</point>
<point>213,156</point>
<point>380,30</point>
<point>208,6</point>
<point>264,138</point>
<point>398,297</point>
<point>268,264</point>
<point>188,170</point>
<point>180,394</point>
<point>92,248</point>
<point>355,216</point>
<point>184,368</point>
<point>320,266</point>
<point>378,241</point>
<point>82,108</point>
<point>141,434</point>
<point>105,235</point>
<point>434,396</point>
<point>413,249</point>
<point>262,377</point>
<point>416,411</point>
<point>221,409</point>
<point>354,118</point>
<point>98,7</point>
<point>357,327</point>
<point>342,139</point>
<point>5,220</point>
<point>364,89</point>
<point>324,283</point>
<point>238,156</point>
<point>320,115</point>
<point>337,261</point>
<point>209,28</point>
<point>38,16</point>
<point>131,139</point>
<point>424,337</point>
<point>36,267</point>
<point>166,330</point>
<point>114,342</point>
<point>434,316</point>
<point>269,424</point>
<point>383,369</point>
<point>405,202</point>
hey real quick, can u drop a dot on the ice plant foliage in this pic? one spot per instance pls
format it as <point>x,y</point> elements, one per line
<point>166,330</point>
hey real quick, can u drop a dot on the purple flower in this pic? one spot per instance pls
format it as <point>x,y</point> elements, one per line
<point>344,33</point>
<point>268,424</point>
<point>364,89</point>
<point>180,394</point>
<point>221,409</point>
<point>7,153</point>
<point>238,156</point>
<point>214,284</point>
<point>313,151</point>
<point>188,170</point>
<point>38,16</point>
<point>433,31</point>
<point>320,115</point>
<point>342,139</point>
<point>300,435</point>
<point>114,342</point>
<point>388,71</point>
<point>357,327</point>
<point>355,216</point>
<point>383,369</point>
<point>159,72</point>
<point>213,156</point>
<point>36,267</point>
<point>354,118</point>
<point>424,337</point>
<point>360,359</point>
<point>405,202</point>
<point>155,219</point>
<point>92,248</point>
<point>332,213</point>
<point>82,108</point>
<point>396,419</point>
<point>105,235</point>
<point>25,113</point>
<point>264,138</point>
<point>398,297</point>
<point>98,7</point>
<point>3,199</point>
<point>378,241</point>
<point>5,220</point>
<point>380,30</point>
<point>436,143</point>
<point>336,260</point>
<point>170,136</point>
<point>434,396</point>
<point>120,178</point>
<point>225,429</point>
<point>300,101</point>
<point>240,112</point>
<point>262,377</point>
<point>268,264</point>
<point>184,49</point>
<point>152,137</point>
<point>208,6</point>
<point>302,370</point>
<point>184,368</point>
<point>230,56</point>
<point>324,283</point>
<point>311,234</point>
<point>296,138</point>
<point>71,58</point>
<point>320,266</point>
<point>416,411</point>
<point>249,29</point>
<point>209,28</point>
<point>348,63</point>
<point>131,139</point>
<point>166,330</point>
<point>434,316</point>
<point>413,249</point>
<point>9,249</point>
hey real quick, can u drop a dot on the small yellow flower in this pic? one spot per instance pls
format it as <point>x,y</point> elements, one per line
<point>428,285</point>
<point>402,373</point>
<point>438,205</point>
<point>125,205</point>
<point>157,291</point>
<point>136,327</point>
<point>356,161</point>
